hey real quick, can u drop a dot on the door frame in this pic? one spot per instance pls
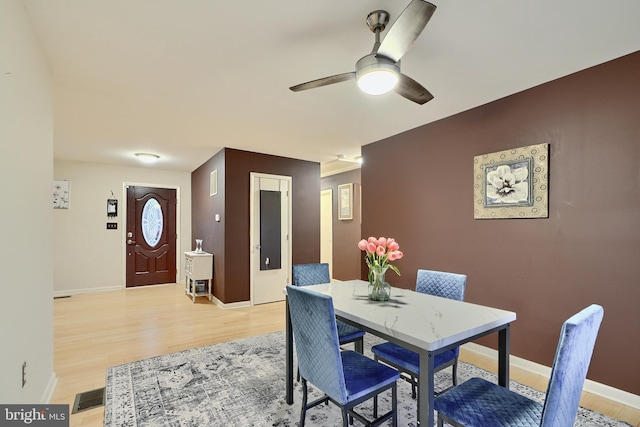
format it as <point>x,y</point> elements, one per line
<point>253,253</point>
<point>123,241</point>
<point>326,208</point>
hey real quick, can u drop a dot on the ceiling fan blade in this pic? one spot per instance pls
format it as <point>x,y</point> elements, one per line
<point>406,29</point>
<point>338,78</point>
<point>412,90</point>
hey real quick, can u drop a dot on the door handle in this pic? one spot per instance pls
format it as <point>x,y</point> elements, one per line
<point>130,242</point>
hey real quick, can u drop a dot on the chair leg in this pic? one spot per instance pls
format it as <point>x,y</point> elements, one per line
<point>298,376</point>
<point>454,372</point>
<point>417,407</point>
<point>375,406</point>
<point>303,410</point>
<point>375,398</point>
<point>394,405</point>
<point>414,381</point>
<point>440,421</point>
<point>345,422</point>
<point>359,345</point>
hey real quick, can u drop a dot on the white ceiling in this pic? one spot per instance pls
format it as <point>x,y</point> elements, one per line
<point>185,78</point>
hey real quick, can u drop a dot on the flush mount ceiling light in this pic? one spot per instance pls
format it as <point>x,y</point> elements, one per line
<point>342,158</point>
<point>147,157</point>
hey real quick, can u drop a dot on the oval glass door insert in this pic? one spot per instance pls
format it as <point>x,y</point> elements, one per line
<point>152,222</point>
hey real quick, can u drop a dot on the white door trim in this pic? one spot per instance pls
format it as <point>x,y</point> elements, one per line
<point>326,228</point>
<point>253,253</point>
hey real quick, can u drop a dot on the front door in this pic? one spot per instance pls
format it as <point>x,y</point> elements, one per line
<point>270,237</point>
<point>151,236</point>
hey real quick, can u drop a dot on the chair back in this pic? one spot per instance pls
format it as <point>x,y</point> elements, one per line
<point>313,322</point>
<point>441,284</point>
<point>310,274</point>
<point>570,365</point>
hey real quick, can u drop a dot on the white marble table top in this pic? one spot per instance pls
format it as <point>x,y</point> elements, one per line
<point>194,253</point>
<point>424,321</point>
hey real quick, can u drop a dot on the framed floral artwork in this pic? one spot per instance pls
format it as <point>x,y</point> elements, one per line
<point>512,183</point>
<point>345,201</point>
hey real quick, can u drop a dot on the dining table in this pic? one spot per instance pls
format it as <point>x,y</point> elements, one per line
<point>424,323</point>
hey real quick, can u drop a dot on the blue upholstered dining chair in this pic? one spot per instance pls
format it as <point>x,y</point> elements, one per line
<point>479,403</point>
<point>438,283</point>
<point>315,274</point>
<point>346,377</point>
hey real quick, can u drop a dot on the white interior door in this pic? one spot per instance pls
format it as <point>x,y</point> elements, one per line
<point>326,228</point>
<point>270,237</point>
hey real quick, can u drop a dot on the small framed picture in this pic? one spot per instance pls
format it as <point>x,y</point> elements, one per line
<point>60,194</point>
<point>213,183</point>
<point>112,208</point>
<point>345,201</point>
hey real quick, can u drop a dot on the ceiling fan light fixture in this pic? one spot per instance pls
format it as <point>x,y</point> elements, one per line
<point>379,72</point>
<point>378,82</point>
<point>377,75</point>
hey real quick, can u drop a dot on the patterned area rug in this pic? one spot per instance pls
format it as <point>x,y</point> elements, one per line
<point>242,383</point>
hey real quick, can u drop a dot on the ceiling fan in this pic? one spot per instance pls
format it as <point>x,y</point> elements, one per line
<point>379,72</point>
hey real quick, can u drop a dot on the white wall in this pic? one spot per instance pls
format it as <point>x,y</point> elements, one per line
<point>26,253</point>
<point>88,257</point>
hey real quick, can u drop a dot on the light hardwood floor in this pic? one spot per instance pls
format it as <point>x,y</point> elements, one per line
<point>96,331</point>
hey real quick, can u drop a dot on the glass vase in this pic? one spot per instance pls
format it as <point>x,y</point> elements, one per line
<point>199,246</point>
<point>379,289</point>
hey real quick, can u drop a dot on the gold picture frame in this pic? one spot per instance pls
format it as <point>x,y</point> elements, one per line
<point>345,201</point>
<point>512,183</point>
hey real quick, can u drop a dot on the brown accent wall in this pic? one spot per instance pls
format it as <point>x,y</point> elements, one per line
<point>346,234</point>
<point>587,251</point>
<point>203,210</point>
<point>229,239</point>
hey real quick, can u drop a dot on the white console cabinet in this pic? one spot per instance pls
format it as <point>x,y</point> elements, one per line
<point>198,270</point>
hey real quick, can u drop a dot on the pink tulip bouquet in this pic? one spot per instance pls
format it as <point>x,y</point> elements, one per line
<point>380,252</point>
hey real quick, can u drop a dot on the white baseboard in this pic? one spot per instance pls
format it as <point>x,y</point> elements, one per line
<point>48,391</point>
<point>117,288</point>
<point>599,389</point>
<point>231,305</point>
<point>69,292</point>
